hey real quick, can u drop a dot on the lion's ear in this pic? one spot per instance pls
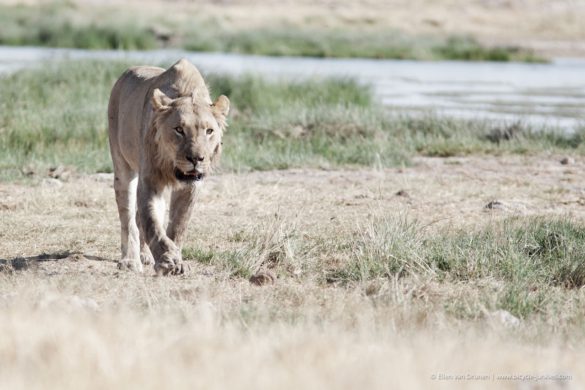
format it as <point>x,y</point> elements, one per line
<point>160,101</point>
<point>221,107</point>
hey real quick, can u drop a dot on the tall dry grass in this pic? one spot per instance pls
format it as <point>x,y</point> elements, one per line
<point>82,330</point>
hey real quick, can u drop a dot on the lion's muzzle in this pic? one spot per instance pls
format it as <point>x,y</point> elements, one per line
<point>191,168</point>
<point>190,176</point>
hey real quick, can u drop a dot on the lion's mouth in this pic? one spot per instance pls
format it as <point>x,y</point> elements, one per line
<point>193,175</point>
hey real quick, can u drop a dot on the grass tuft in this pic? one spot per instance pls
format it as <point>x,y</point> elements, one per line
<point>273,246</point>
<point>537,250</point>
<point>529,257</point>
<point>526,266</point>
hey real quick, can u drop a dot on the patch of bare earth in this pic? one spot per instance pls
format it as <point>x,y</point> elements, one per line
<point>70,319</point>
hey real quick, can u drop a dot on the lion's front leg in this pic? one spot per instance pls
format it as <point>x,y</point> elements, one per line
<point>167,255</point>
<point>182,202</point>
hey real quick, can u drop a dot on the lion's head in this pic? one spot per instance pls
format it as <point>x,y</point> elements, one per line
<point>188,133</point>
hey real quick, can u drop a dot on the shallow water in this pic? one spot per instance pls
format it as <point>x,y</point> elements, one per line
<point>540,94</point>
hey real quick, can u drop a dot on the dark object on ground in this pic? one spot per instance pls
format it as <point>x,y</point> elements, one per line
<point>506,133</point>
<point>262,278</point>
<point>494,205</point>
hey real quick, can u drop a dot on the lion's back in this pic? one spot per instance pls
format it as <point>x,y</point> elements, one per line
<point>126,110</point>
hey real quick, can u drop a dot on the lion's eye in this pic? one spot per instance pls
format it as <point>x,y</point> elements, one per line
<point>209,131</point>
<point>179,130</point>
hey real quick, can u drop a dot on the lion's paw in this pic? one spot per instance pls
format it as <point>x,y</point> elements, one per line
<point>164,269</point>
<point>130,265</point>
<point>146,258</point>
<point>181,269</point>
<point>170,264</point>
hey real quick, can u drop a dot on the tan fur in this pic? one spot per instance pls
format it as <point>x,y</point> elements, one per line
<point>165,135</point>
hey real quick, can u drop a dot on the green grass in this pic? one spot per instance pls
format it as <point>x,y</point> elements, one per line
<point>62,25</point>
<point>272,246</point>
<point>59,25</point>
<point>524,252</point>
<point>529,260</point>
<point>466,48</point>
<point>56,115</point>
<point>350,43</point>
<point>529,266</point>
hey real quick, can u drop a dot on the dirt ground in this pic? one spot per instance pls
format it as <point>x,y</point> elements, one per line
<point>72,319</point>
<point>80,214</point>
<point>551,27</point>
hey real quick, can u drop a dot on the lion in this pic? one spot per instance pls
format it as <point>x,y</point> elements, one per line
<point>165,137</point>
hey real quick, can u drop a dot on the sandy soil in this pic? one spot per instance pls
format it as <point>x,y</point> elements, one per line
<point>552,28</point>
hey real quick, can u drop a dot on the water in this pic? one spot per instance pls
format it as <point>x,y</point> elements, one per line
<point>539,94</point>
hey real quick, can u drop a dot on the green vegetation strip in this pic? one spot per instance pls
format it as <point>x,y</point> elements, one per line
<point>527,266</point>
<point>348,44</point>
<point>60,25</point>
<point>56,115</point>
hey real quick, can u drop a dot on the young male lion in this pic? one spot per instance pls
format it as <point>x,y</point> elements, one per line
<point>165,135</point>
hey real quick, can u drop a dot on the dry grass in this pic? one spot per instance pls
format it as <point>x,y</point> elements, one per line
<point>553,28</point>
<point>544,19</point>
<point>72,320</point>
<point>185,333</point>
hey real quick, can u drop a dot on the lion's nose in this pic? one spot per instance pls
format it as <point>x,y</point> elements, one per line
<point>195,159</point>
